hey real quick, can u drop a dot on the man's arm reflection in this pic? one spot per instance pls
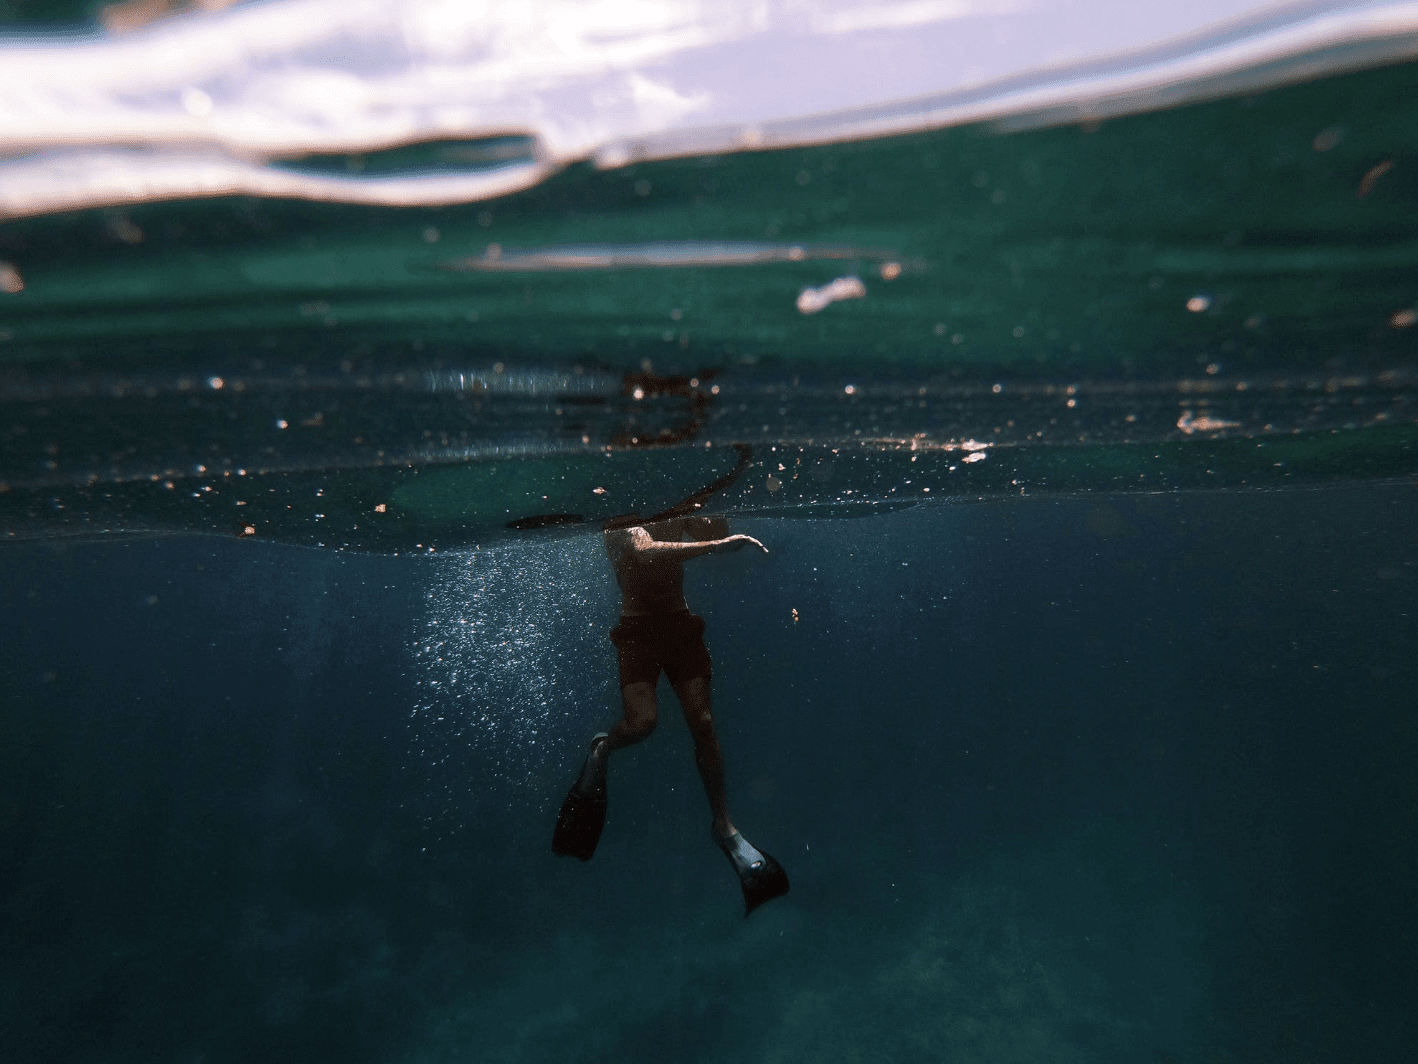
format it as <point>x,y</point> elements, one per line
<point>657,632</point>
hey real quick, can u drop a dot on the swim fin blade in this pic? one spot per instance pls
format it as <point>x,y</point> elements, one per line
<point>583,814</point>
<point>761,877</point>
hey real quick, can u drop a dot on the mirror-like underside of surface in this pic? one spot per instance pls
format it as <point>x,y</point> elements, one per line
<point>1219,295</point>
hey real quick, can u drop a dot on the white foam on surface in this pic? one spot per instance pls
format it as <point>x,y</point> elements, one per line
<point>204,104</point>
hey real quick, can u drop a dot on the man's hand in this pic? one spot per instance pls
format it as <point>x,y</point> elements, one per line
<point>739,542</point>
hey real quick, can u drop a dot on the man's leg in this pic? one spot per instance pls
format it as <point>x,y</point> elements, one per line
<point>641,712</point>
<point>761,877</point>
<point>698,715</point>
<point>583,814</point>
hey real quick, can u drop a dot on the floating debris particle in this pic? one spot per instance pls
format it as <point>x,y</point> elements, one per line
<point>1370,179</point>
<point>811,300</point>
<point>1203,422</point>
<point>1327,139</point>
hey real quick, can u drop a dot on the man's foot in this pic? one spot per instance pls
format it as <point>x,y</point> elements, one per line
<point>593,772</point>
<point>761,877</point>
<point>583,814</point>
<point>740,852</point>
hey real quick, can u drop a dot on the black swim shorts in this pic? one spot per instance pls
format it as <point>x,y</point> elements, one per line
<point>670,641</point>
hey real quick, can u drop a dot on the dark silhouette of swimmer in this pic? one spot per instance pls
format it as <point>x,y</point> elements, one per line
<point>657,632</point>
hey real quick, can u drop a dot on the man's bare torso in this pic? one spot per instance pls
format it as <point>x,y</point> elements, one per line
<point>648,585</point>
<point>649,559</point>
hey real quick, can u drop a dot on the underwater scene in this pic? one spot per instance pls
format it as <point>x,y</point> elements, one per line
<point>663,531</point>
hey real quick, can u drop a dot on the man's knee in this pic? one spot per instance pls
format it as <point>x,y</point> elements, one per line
<point>639,723</point>
<point>701,726</point>
<point>698,713</point>
<point>640,712</point>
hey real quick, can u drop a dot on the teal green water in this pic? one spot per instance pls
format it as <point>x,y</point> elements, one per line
<point>1091,241</point>
<point>42,14</point>
<point>1029,290</point>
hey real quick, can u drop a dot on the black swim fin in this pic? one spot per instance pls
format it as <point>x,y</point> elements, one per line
<point>583,814</point>
<point>761,877</point>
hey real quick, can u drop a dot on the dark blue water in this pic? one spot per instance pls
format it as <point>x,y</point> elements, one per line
<point>1110,778</point>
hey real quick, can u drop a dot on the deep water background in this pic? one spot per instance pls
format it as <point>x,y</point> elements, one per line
<point>1081,778</point>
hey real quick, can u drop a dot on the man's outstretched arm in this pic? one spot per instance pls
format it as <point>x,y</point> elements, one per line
<point>644,545</point>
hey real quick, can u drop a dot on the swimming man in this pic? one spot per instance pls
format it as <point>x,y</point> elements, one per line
<point>657,632</point>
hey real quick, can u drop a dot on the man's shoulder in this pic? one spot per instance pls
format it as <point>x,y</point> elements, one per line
<point>621,540</point>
